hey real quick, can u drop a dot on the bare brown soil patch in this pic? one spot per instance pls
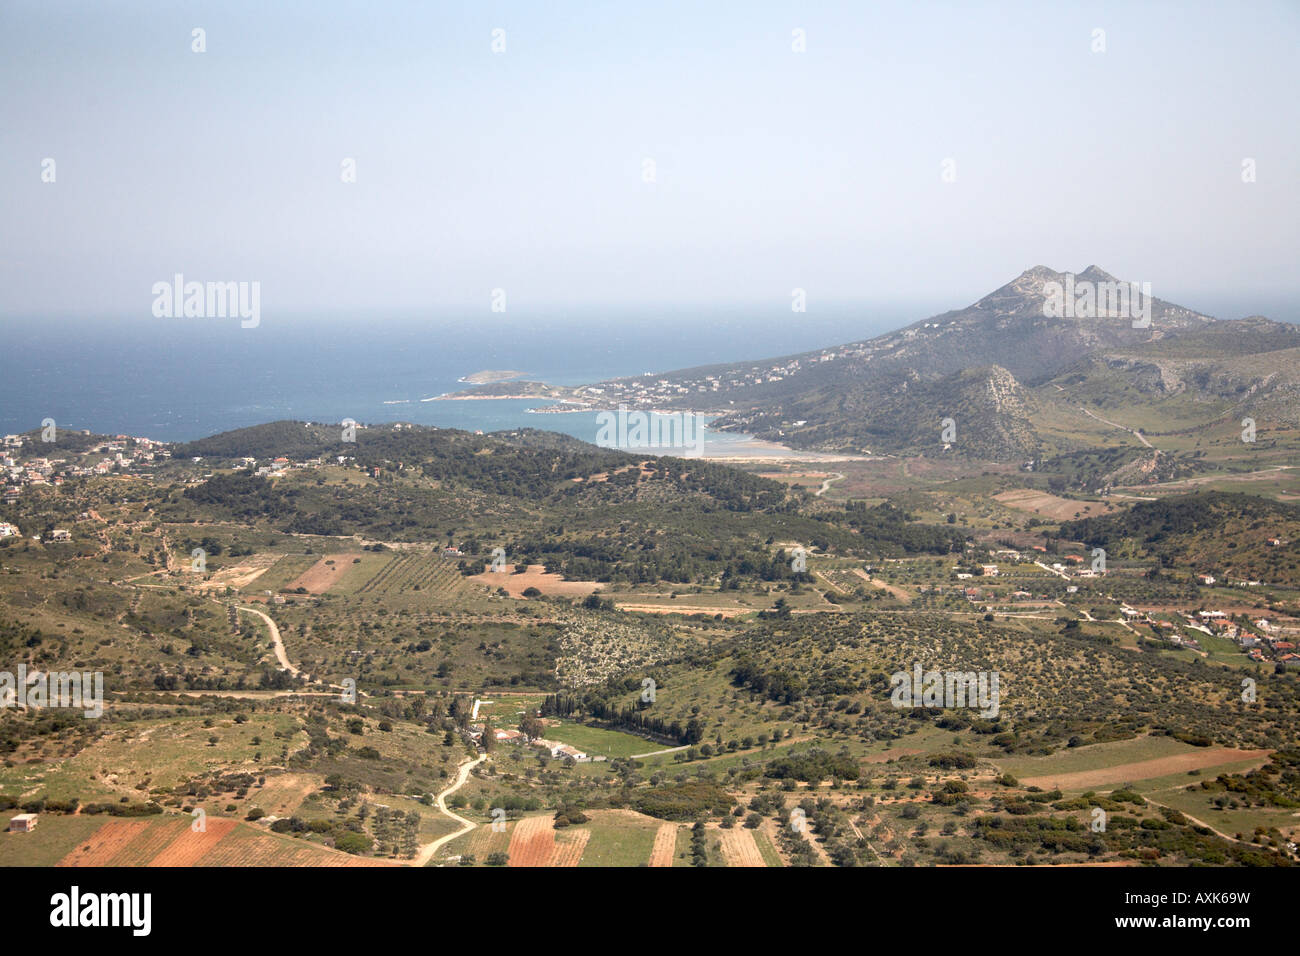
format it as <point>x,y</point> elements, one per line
<point>190,847</point>
<point>665,845</point>
<point>569,846</point>
<point>1145,769</point>
<point>1051,506</point>
<point>739,848</point>
<point>149,844</point>
<point>240,575</point>
<point>684,609</point>
<point>104,844</point>
<point>904,596</point>
<point>285,793</point>
<point>533,842</point>
<point>535,577</point>
<point>324,574</point>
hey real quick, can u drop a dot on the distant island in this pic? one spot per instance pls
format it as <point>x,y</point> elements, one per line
<point>490,375</point>
<point>506,388</point>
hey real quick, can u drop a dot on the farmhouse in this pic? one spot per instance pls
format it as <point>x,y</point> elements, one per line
<point>23,823</point>
<point>60,534</point>
<point>557,749</point>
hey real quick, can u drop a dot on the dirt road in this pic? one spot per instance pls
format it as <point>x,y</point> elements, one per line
<point>426,853</point>
<point>276,642</point>
<point>826,484</point>
<point>1133,431</point>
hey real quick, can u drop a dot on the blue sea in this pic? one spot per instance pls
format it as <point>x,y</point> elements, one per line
<point>179,379</point>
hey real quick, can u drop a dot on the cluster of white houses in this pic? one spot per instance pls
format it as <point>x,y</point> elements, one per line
<point>648,389</point>
<point>117,455</point>
<point>554,748</point>
<point>1263,640</point>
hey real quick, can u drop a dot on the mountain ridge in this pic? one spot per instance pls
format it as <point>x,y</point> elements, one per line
<point>889,392</point>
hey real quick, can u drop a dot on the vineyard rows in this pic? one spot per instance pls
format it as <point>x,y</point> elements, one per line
<point>412,572</point>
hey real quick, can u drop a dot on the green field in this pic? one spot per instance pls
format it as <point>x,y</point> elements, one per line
<point>595,741</point>
<point>278,575</point>
<point>619,841</point>
<point>54,836</point>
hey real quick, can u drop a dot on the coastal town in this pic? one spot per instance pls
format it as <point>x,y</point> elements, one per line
<point>707,388</point>
<point>29,463</point>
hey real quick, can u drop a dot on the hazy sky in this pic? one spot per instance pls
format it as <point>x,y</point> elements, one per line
<point>523,169</point>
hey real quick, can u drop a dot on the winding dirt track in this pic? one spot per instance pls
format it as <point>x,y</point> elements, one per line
<point>826,484</point>
<point>426,852</point>
<point>1133,431</point>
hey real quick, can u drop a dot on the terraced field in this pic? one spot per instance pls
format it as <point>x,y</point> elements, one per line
<point>171,841</point>
<point>409,572</point>
<point>618,838</point>
<point>739,848</point>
